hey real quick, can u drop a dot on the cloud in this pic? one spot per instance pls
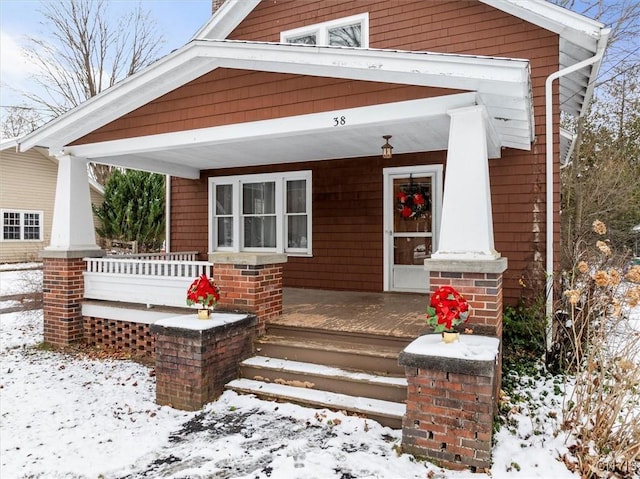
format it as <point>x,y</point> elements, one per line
<point>13,65</point>
<point>15,70</point>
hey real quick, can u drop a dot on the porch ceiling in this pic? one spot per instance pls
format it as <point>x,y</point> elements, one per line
<point>416,125</point>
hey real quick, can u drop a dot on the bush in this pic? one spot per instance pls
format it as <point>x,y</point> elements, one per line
<point>602,348</point>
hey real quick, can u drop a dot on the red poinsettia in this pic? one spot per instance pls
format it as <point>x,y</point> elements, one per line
<point>204,291</point>
<point>447,309</point>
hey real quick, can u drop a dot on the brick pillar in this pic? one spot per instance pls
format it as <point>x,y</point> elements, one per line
<point>196,358</point>
<point>62,293</point>
<point>450,400</point>
<point>250,282</point>
<point>480,282</point>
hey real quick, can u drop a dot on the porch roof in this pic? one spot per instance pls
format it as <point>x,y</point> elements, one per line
<point>502,85</point>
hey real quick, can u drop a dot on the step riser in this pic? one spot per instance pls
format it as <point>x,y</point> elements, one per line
<point>392,422</point>
<point>342,337</point>
<point>376,365</point>
<point>337,385</point>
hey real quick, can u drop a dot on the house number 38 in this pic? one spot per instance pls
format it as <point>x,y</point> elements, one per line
<point>339,120</point>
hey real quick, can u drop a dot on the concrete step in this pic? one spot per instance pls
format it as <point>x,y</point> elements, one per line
<point>387,413</point>
<point>375,359</point>
<point>326,378</point>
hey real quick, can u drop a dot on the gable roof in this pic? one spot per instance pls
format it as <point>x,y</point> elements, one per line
<point>502,84</point>
<point>580,38</point>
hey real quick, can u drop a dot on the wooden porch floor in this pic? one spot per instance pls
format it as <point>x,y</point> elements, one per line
<point>388,314</point>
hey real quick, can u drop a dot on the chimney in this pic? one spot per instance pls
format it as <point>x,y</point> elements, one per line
<point>215,5</point>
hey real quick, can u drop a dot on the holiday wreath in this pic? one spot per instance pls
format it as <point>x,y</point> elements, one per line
<point>413,201</point>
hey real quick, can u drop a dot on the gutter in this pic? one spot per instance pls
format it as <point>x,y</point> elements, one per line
<point>602,44</point>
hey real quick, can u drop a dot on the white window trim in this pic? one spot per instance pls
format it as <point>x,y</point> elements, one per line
<point>40,213</point>
<point>322,30</point>
<point>280,180</point>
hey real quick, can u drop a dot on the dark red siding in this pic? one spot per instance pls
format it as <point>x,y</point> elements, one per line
<point>347,194</point>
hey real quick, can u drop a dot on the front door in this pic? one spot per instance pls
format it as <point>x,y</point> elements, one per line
<point>412,199</point>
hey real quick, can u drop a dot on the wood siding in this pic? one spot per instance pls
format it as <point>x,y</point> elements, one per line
<point>347,220</point>
<point>28,182</point>
<point>347,194</point>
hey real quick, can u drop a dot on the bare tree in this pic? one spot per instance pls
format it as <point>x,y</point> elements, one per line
<point>18,121</point>
<point>86,52</point>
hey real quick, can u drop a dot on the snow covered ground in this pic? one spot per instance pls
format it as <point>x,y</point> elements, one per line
<point>69,417</point>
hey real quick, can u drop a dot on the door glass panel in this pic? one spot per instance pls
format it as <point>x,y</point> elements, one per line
<point>412,205</point>
<point>411,250</point>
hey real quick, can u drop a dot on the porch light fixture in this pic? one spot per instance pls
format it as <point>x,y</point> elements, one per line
<point>387,148</point>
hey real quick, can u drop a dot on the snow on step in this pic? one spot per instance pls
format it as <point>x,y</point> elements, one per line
<point>324,371</point>
<point>320,398</point>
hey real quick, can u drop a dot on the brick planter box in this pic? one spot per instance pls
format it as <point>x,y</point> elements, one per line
<point>451,400</point>
<point>196,358</point>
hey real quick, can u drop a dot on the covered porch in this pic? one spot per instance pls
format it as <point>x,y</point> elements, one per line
<point>400,315</point>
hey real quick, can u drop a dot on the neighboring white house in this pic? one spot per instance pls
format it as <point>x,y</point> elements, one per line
<point>27,192</point>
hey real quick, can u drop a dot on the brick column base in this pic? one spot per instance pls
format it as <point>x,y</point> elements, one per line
<point>450,400</point>
<point>62,294</point>
<point>251,283</point>
<point>480,282</point>
<point>195,358</point>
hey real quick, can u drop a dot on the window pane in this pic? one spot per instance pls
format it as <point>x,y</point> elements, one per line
<point>224,199</point>
<point>259,198</point>
<point>307,39</point>
<point>225,231</point>
<point>297,231</point>
<point>260,232</point>
<point>347,36</point>
<point>31,226</point>
<point>297,196</point>
<point>11,226</point>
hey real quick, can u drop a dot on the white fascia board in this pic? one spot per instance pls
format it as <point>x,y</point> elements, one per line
<point>441,70</point>
<point>279,127</point>
<point>8,144</point>
<point>570,25</point>
<point>226,19</point>
<point>503,76</point>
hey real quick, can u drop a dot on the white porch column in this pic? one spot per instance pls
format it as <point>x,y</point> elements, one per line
<point>72,229</point>
<point>466,229</point>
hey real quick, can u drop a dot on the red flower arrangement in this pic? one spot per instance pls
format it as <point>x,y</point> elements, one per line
<point>204,291</point>
<point>413,202</point>
<point>447,309</point>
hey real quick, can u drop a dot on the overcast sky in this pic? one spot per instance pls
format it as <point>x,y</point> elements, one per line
<point>177,19</point>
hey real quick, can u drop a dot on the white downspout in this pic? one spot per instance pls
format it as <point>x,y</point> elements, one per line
<point>167,214</point>
<point>602,43</point>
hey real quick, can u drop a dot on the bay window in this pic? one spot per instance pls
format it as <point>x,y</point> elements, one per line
<point>261,213</point>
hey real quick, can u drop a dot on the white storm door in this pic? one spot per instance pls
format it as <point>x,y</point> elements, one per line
<point>412,205</point>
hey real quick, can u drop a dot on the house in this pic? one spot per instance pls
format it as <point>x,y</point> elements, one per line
<point>371,146</point>
<point>27,192</point>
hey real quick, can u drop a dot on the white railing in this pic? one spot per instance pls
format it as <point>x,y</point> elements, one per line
<point>145,281</point>
<point>177,256</point>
